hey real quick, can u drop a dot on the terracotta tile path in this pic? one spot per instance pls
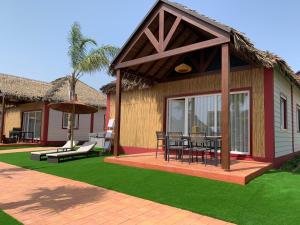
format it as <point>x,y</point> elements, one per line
<point>43,199</point>
<point>26,149</point>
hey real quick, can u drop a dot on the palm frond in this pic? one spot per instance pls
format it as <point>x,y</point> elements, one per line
<point>97,60</point>
<point>86,41</point>
<point>75,41</point>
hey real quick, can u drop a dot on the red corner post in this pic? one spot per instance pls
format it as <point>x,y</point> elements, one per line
<point>107,113</point>
<point>117,113</point>
<point>225,116</point>
<point>2,118</point>
<point>92,123</point>
<point>45,124</point>
<point>269,114</point>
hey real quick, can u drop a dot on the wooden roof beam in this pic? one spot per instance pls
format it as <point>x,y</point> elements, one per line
<point>171,32</point>
<point>152,39</point>
<point>173,52</point>
<point>177,59</point>
<point>196,22</point>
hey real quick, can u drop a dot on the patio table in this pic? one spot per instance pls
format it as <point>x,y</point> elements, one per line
<point>22,135</point>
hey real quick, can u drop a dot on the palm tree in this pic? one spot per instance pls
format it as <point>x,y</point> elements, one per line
<point>85,59</point>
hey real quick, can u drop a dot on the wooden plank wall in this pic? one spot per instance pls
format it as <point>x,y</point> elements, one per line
<point>142,111</point>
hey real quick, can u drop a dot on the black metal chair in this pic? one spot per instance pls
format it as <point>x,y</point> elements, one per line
<point>214,145</point>
<point>174,141</point>
<point>160,141</point>
<point>198,144</point>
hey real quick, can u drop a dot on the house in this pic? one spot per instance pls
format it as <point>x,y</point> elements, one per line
<point>182,71</point>
<point>26,108</point>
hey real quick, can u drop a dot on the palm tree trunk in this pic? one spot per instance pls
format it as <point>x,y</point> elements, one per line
<point>72,84</point>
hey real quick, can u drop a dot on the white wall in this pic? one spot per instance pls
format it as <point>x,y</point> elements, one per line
<point>56,133</point>
<point>296,100</point>
<point>99,121</point>
<point>283,138</point>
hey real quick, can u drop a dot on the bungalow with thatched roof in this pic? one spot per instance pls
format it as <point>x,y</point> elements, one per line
<point>25,106</point>
<point>182,71</point>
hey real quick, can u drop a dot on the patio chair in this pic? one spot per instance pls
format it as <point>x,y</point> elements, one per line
<point>42,154</point>
<point>85,150</point>
<point>160,141</point>
<point>213,150</point>
<point>198,144</point>
<point>174,142</point>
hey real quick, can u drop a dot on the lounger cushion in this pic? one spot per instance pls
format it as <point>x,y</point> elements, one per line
<point>85,148</point>
<point>44,152</point>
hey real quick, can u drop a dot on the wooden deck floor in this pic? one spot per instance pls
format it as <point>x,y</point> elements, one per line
<point>241,171</point>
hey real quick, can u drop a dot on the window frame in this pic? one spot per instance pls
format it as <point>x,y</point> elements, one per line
<point>298,118</point>
<point>35,111</point>
<point>75,127</point>
<point>215,94</point>
<point>283,126</point>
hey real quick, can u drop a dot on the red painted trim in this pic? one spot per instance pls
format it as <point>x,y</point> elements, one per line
<point>280,160</point>
<point>135,150</point>
<point>251,121</point>
<point>207,92</point>
<point>45,124</point>
<point>92,123</point>
<point>107,113</point>
<point>269,114</point>
<point>292,111</point>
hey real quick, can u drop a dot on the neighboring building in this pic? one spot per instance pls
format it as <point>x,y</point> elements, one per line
<point>26,108</point>
<point>264,106</point>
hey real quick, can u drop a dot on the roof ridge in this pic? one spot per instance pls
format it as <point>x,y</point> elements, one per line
<point>24,78</point>
<point>89,86</point>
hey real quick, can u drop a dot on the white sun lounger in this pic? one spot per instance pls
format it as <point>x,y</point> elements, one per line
<point>41,154</point>
<point>85,150</point>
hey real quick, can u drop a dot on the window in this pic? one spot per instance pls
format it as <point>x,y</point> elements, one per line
<point>32,122</point>
<point>298,118</point>
<point>176,115</point>
<point>203,114</point>
<point>65,121</point>
<point>283,112</point>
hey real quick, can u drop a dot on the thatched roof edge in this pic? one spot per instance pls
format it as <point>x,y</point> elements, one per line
<point>20,89</point>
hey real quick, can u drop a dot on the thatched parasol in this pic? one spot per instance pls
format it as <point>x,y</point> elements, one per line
<point>73,106</point>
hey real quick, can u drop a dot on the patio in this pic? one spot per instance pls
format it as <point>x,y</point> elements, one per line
<point>241,171</point>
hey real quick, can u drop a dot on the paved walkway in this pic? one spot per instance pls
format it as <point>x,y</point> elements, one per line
<point>37,198</point>
<point>26,149</point>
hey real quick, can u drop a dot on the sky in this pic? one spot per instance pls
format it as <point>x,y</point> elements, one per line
<point>33,33</point>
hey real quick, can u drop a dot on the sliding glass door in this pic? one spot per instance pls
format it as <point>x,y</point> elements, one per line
<point>32,122</point>
<point>176,115</point>
<point>203,114</point>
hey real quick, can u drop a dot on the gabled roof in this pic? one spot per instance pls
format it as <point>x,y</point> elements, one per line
<point>239,44</point>
<point>24,89</point>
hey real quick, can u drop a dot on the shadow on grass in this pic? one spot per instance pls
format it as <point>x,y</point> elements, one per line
<point>57,199</point>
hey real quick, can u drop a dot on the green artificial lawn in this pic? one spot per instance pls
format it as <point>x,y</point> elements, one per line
<point>17,147</point>
<point>6,219</point>
<point>273,198</point>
